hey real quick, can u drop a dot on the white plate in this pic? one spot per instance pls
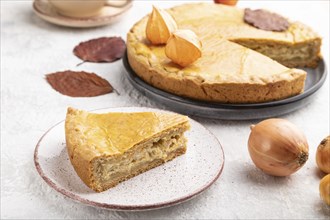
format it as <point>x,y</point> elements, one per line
<point>171,183</point>
<point>108,15</point>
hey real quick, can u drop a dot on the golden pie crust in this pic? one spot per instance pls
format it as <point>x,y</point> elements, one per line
<point>228,71</point>
<point>106,149</point>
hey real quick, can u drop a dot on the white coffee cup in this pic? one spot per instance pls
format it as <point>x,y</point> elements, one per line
<point>84,8</point>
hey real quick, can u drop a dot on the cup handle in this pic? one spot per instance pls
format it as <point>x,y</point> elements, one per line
<point>118,3</point>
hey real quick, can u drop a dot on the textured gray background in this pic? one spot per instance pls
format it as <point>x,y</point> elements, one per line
<point>30,48</point>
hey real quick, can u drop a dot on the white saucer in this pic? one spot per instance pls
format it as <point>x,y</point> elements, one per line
<point>171,183</point>
<point>107,15</point>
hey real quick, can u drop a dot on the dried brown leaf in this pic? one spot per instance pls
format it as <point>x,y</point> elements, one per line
<point>104,49</point>
<point>265,20</point>
<point>78,84</point>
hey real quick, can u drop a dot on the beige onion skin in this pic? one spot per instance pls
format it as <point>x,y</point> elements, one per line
<point>323,155</point>
<point>325,189</point>
<point>277,147</point>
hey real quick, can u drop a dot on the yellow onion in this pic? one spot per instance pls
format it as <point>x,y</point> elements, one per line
<point>323,155</point>
<point>277,147</point>
<point>325,189</point>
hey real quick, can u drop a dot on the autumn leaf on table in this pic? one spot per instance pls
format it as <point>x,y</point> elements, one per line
<point>104,49</point>
<point>78,84</point>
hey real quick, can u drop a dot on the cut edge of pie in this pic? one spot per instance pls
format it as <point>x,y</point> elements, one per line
<point>106,149</point>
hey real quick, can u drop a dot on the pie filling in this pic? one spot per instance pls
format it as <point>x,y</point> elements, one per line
<point>108,170</point>
<point>284,54</point>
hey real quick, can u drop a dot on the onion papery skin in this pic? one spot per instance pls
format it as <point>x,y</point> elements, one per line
<point>277,147</point>
<point>323,155</point>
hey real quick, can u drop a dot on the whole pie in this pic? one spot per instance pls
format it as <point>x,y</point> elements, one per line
<point>106,149</point>
<point>239,64</point>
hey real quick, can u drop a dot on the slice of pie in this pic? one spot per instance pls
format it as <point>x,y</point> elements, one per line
<point>106,149</point>
<point>239,63</point>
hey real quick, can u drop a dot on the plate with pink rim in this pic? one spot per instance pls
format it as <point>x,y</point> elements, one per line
<point>171,183</point>
<point>108,14</point>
